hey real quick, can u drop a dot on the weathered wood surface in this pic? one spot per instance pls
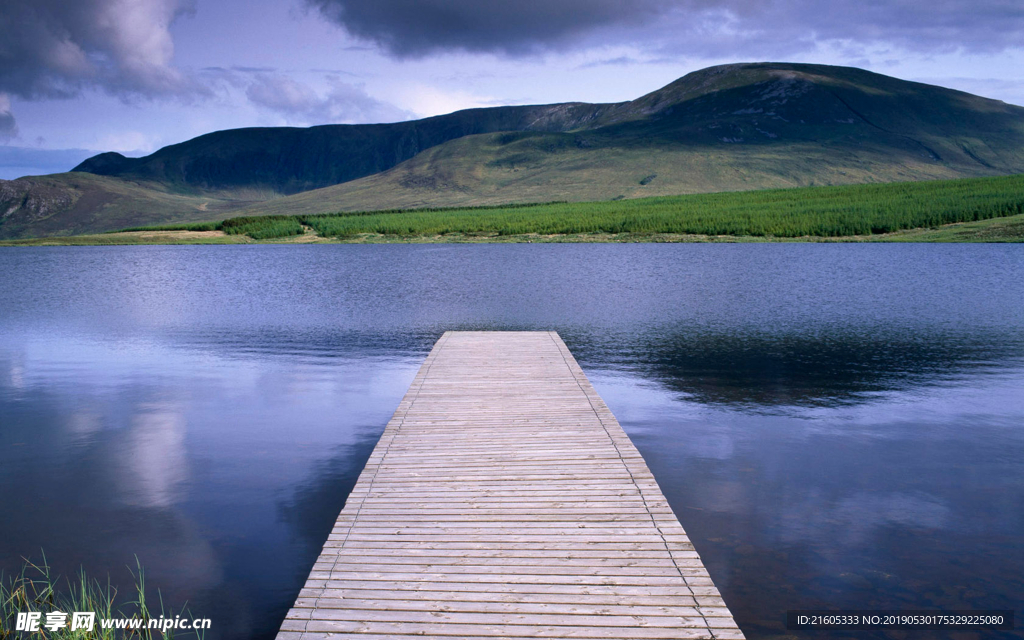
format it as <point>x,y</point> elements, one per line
<point>505,501</point>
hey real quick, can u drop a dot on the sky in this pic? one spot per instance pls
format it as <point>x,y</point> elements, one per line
<point>82,76</point>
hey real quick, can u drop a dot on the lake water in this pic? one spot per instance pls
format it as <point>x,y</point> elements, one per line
<point>836,426</point>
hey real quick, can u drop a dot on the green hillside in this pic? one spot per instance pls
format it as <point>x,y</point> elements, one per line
<point>285,160</point>
<point>483,170</point>
<point>821,212</point>
<point>726,128</point>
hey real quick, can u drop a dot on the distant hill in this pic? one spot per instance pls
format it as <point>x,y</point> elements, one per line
<point>288,160</point>
<point>72,203</point>
<point>731,127</point>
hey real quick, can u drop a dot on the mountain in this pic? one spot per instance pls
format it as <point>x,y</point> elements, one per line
<point>287,160</point>
<point>731,127</point>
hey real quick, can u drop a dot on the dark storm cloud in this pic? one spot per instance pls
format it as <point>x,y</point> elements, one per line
<point>55,48</point>
<point>414,27</point>
<point>725,28</point>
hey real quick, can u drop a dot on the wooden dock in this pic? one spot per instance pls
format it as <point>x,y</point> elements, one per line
<point>505,501</point>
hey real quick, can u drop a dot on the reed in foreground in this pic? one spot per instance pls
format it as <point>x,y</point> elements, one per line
<point>35,591</point>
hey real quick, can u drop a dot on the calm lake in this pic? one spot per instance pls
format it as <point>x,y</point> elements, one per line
<point>836,426</point>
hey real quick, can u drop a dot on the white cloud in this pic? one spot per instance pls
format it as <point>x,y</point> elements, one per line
<point>426,100</point>
<point>341,102</point>
<point>127,142</point>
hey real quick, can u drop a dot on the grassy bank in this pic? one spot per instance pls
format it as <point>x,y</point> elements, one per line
<point>975,209</point>
<point>822,212</point>
<point>825,212</point>
<point>35,590</point>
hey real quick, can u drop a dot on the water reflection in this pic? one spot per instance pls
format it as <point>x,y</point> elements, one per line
<point>98,489</point>
<point>835,426</point>
<point>222,473</point>
<point>911,500</point>
<point>154,461</point>
<point>761,370</point>
<point>307,510</point>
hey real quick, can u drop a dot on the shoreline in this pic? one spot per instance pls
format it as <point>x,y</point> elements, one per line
<point>1001,230</point>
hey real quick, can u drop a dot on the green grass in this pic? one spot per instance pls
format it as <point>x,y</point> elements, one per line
<point>35,589</point>
<point>785,213</point>
<point>824,212</point>
<point>263,227</point>
<point>1009,229</point>
<point>198,226</point>
<point>964,210</point>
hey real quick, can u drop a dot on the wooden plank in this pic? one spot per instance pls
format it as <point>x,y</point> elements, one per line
<point>504,501</point>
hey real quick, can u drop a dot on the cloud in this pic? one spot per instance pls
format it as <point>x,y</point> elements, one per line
<point>417,27</point>
<point>710,28</point>
<point>625,61</point>
<point>242,69</point>
<point>300,103</point>
<point>429,100</point>
<point>8,127</point>
<point>56,48</point>
<point>936,26</point>
<point>621,61</point>
<point>128,142</point>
